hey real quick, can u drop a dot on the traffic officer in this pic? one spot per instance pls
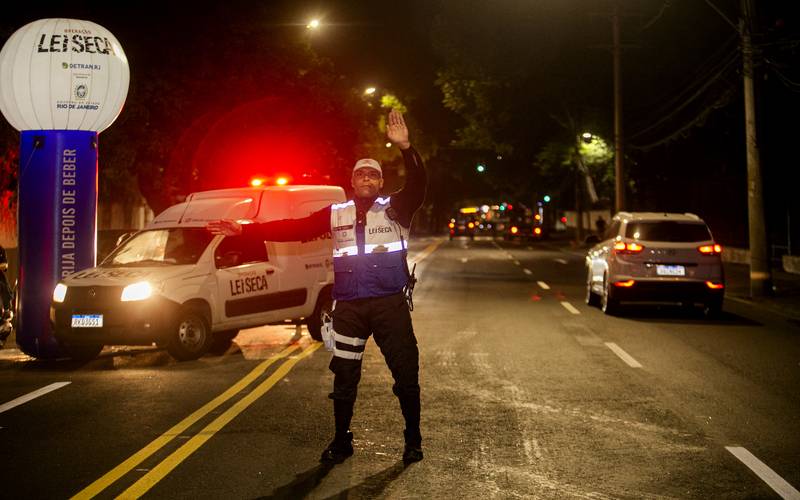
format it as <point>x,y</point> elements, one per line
<point>370,236</point>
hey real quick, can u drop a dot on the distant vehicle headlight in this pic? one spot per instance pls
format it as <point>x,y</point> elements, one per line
<point>137,291</point>
<point>59,293</point>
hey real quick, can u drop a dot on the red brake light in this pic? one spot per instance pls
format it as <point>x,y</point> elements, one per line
<point>622,247</point>
<point>715,286</point>
<point>626,284</point>
<point>710,249</point>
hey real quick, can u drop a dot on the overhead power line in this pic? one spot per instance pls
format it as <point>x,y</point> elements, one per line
<point>721,102</point>
<point>728,64</point>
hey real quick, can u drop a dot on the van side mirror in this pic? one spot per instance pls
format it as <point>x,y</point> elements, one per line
<point>123,238</point>
<point>229,259</point>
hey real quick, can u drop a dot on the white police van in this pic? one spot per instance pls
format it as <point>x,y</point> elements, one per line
<point>177,285</point>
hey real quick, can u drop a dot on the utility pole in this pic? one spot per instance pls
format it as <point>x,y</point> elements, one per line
<point>619,181</point>
<point>760,276</point>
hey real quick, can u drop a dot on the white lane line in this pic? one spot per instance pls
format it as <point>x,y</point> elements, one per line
<point>560,261</point>
<point>527,271</point>
<point>464,260</point>
<point>32,395</point>
<point>773,480</point>
<point>517,262</point>
<point>569,307</point>
<point>543,285</point>
<point>624,356</point>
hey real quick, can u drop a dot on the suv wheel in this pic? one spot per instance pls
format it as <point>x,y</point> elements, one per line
<point>592,298</point>
<point>713,308</point>
<point>190,337</point>
<point>608,303</point>
<point>323,307</point>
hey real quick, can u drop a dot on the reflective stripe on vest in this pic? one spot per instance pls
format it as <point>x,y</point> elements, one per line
<point>375,269</point>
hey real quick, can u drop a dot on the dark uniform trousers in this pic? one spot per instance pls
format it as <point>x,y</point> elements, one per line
<point>389,320</point>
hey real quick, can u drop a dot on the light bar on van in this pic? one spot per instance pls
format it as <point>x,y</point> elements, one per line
<point>137,291</point>
<point>60,293</point>
<point>710,249</point>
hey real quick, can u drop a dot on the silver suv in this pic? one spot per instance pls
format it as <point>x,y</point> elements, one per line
<point>655,257</point>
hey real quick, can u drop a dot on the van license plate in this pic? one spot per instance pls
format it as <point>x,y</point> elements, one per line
<point>87,320</point>
<point>670,270</point>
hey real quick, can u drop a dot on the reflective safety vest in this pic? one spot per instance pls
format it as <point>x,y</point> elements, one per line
<point>369,266</point>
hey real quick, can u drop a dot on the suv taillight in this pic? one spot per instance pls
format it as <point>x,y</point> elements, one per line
<point>710,249</point>
<point>627,248</point>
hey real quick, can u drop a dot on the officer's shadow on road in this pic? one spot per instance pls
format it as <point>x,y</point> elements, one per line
<point>307,481</point>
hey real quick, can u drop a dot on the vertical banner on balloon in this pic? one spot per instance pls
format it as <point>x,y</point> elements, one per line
<point>58,225</point>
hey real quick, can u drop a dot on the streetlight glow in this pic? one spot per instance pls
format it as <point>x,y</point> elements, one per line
<point>369,90</point>
<point>313,24</point>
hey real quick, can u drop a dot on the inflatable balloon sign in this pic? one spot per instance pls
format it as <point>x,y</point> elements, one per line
<point>61,82</point>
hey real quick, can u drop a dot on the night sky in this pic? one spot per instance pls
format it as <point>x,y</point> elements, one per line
<point>559,48</point>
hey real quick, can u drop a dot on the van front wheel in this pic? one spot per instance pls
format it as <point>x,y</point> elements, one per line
<point>190,337</point>
<point>324,306</point>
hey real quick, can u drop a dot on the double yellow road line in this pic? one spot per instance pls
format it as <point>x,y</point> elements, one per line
<point>146,482</point>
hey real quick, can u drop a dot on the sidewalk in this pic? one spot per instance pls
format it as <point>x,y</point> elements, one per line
<point>785,300</point>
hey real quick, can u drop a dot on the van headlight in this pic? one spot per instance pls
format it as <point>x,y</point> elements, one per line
<point>59,293</point>
<point>137,291</point>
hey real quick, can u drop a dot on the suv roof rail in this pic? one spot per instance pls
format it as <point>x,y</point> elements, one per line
<point>689,214</point>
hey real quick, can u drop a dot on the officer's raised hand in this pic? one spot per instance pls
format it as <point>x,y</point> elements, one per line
<point>224,227</point>
<point>396,130</point>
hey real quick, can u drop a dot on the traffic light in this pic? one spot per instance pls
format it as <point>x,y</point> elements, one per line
<point>546,198</point>
<point>481,168</point>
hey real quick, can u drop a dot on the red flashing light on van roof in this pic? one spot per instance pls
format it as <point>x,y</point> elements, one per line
<point>257,182</point>
<point>281,181</point>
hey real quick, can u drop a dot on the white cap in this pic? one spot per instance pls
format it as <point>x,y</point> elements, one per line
<point>368,163</point>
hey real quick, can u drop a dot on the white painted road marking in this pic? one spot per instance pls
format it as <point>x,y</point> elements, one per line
<point>32,395</point>
<point>773,480</point>
<point>464,260</point>
<point>569,307</point>
<point>516,262</point>
<point>527,271</point>
<point>560,261</point>
<point>627,358</point>
<point>544,285</point>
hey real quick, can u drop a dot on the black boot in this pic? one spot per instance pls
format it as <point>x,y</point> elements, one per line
<point>342,445</point>
<point>413,449</point>
<point>340,448</point>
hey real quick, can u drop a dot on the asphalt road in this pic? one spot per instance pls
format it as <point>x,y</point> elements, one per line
<point>527,393</point>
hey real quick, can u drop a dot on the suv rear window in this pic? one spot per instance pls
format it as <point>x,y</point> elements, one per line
<point>673,231</point>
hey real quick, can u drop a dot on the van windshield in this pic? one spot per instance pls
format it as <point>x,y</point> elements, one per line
<point>161,247</point>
